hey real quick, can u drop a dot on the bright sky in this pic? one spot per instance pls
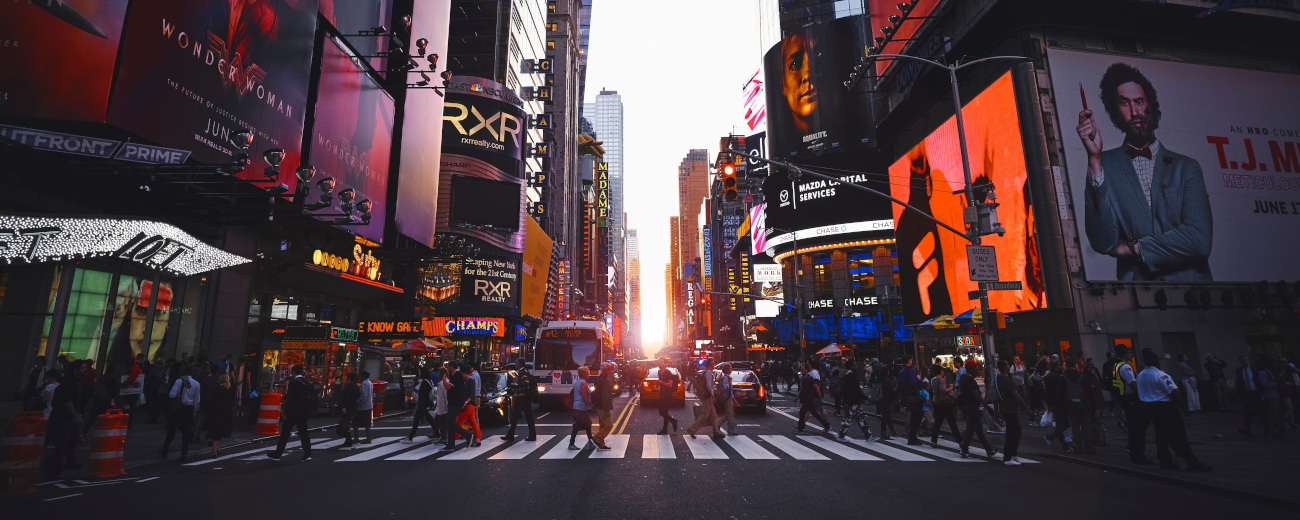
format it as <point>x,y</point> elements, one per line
<point>679,66</point>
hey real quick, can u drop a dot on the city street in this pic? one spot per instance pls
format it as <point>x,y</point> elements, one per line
<point>765,471</point>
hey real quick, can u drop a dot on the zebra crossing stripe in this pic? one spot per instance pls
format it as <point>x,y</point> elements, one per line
<point>937,452</point>
<point>839,448</point>
<point>889,451</point>
<point>749,449</point>
<point>617,447</point>
<point>561,449</point>
<point>292,447</point>
<point>375,453</point>
<point>521,449</point>
<point>487,444</point>
<point>704,448</point>
<point>418,453</point>
<point>657,447</point>
<point>949,444</point>
<point>792,448</point>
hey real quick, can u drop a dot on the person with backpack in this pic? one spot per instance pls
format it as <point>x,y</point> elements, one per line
<point>1054,394</point>
<point>602,401</point>
<point>810,401</point>
<point>525,393</point>
<point>944,397</point>
<point>296,409</point>
<point>909,393</point>
<point>972,408</point>
<point>853,403</point>
<point>707,411</point>
<point>423,404</point>
<point>1078,406</point>
<point>185,400</point>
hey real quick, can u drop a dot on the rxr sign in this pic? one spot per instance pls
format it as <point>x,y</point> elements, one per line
<point>490,291</point>
<point>498,125</point>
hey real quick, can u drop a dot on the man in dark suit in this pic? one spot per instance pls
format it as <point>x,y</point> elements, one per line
<point>1144,205</point>
<point>1252,400</point>
<point>296,409</point>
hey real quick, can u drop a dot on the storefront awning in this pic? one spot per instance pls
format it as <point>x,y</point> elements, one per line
<point>335,283</point>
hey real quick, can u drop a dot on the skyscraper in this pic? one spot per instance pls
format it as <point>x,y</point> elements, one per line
<point>633,338</point>
<point>606,115</point>
<point>693,188</point>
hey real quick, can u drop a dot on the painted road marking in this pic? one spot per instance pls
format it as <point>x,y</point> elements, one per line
<point>749,449</point>
<point>792,448</point>
<point>520,449</point>
<point>657,447</point>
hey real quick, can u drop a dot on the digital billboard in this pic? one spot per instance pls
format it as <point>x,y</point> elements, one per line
<point>816,208</point>
<point>192,74</point>
<point>881,10</point>
<point>536,269</point>
<point>1195,169</point>
<point>482,140</point>
<point>468,196</point>
<point>809,111</point>
<point>58,57</point>
<point>351,139</point>
<point>935,275</point>
<point>490,280</point>
<point>418,170</point>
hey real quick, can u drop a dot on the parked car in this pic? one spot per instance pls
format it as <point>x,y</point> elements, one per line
<point>749,390</point>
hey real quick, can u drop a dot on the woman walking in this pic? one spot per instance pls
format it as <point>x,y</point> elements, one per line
<point>581,408</point>
<point>219,410</point>
<point>1189,383</point>
<point>668,382</point>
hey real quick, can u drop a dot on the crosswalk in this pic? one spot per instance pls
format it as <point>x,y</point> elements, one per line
<point>703,447</point>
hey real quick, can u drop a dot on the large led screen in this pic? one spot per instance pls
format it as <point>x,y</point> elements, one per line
<point>351,140</point>
<point>58,57</point>
<point>1219,195</point>
<point>418,170</point>
<point>932,261</point>
<point>482,202</point>
<point>192,74</point>
<point>809,111</point>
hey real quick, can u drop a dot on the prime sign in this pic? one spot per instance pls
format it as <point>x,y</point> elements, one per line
<point>160,246</point>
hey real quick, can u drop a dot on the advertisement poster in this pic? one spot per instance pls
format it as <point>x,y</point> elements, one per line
<point>482,138</point>
<point>440,282</point>
<point>809,111</point>
<point>351,141</point>
<point>536,270</point>
<point>1222,196</point>
<point>490,280</point>
<point>936,272</point>
<point>79,36</point>
<point>353,17</point>
<point>192,74</point>
<point>881,10</point>
<point>418,171</point>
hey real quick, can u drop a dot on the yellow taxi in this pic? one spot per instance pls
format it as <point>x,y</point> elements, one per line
<point>650,385</point>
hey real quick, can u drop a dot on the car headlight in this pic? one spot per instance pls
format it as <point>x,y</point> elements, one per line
<point>541,389</point>
<point>499,400</point>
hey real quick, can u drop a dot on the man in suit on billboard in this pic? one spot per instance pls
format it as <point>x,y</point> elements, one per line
<point>1144,205</point>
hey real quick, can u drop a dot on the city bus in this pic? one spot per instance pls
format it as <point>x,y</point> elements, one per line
<point>561,347</point>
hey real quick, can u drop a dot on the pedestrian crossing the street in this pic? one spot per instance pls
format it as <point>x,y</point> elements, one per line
<point>650,446</point>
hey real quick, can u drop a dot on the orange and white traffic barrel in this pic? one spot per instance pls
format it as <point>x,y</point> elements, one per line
<point>107,445</point>
<point>380,387</point>
<point>20,453</point>
<point>268,416</point>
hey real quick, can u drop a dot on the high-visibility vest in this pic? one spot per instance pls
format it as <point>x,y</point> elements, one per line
<point>1118,382</point>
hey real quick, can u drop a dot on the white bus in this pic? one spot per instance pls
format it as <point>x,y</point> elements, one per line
<point>561,347</point>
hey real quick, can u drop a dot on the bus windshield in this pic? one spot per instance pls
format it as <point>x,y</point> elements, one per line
<point>566,349</point>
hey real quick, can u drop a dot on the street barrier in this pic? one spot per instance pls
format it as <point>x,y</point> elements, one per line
<point>20,453</point>
<point>380,388</point>
<point>108,445</point>
<point>268,416</point>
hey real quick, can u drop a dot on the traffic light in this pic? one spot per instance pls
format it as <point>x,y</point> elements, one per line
<point>983,215</point>
<point>728,173</point>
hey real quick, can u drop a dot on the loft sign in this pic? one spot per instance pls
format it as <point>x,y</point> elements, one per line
<point>28,239</point>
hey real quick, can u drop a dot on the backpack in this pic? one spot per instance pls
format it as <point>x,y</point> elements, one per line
<point>1074,388</point>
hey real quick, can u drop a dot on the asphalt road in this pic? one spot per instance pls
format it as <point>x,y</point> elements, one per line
<point>764,472</point>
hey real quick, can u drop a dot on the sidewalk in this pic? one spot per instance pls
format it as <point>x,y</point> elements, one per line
<point>1257,468</point>
<point>144,439</point>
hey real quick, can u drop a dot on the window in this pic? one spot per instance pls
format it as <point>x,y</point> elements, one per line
<point>552,27</point>
<point>551,7</point>
<point>550,45</point>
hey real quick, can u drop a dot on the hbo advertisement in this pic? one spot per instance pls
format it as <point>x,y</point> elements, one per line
<point>810,112</point>
<point>1180,172</point>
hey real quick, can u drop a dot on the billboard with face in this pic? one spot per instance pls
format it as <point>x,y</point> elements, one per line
<point>59,57</point>
<point>192,74</point>
<point>1180,172</point>
<point>351,139</point>
<point>418,173</point>
<point>809,111</point>
<point>935,274</point>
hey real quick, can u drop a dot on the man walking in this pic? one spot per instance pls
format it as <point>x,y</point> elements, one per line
<point>853,401</point>
<point>724,399</point>
<point>603,402</point>
<point>810,401</point>
<point>349,399</point>
<point>1252,400</point>
<point>469,415</point>
<point>65,422</point>
<point>1218,383</point>
<point>1054,393</point>
<point>1158,392</point>
<point>908,391</point>
<point>185,391</point>
<point>1135,416</point>
<point>459,387</point>
<point>525,392</point>
<point>706,411</point>
<point>423,404</point>
<point>365,416</point>
<point>668,382</point>
<point>1009,403</point>
<point>1078,405</point>
<point>297,409</point>
<point>943,395</point>
<point>971,408</point>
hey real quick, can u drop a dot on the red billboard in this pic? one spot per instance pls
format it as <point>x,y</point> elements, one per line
<point>192,74</point>
<point>933,261</point>
<point>58,57</point>
<point>351,142</point>
<point>881,10</point>
<point>418,173</point>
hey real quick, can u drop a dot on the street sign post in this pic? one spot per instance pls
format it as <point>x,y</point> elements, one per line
<point>1004,286</point>
<point>983,263</point>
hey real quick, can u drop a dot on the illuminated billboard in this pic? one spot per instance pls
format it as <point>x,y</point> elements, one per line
<point>192,74</point>
<point>418,171</point>
<point>351,140</point>
<point>936,277</point>
<point>1199,168</point>
<point>58,57</point>
<point>809,111</point>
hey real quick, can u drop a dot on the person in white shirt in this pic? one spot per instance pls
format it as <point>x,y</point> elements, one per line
<point>1159,394</point>
<point>185,397</point>
<point>365,409</point>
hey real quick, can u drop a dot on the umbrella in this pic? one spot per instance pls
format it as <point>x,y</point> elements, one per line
<point>418,346</point>
<point>832,350</point>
